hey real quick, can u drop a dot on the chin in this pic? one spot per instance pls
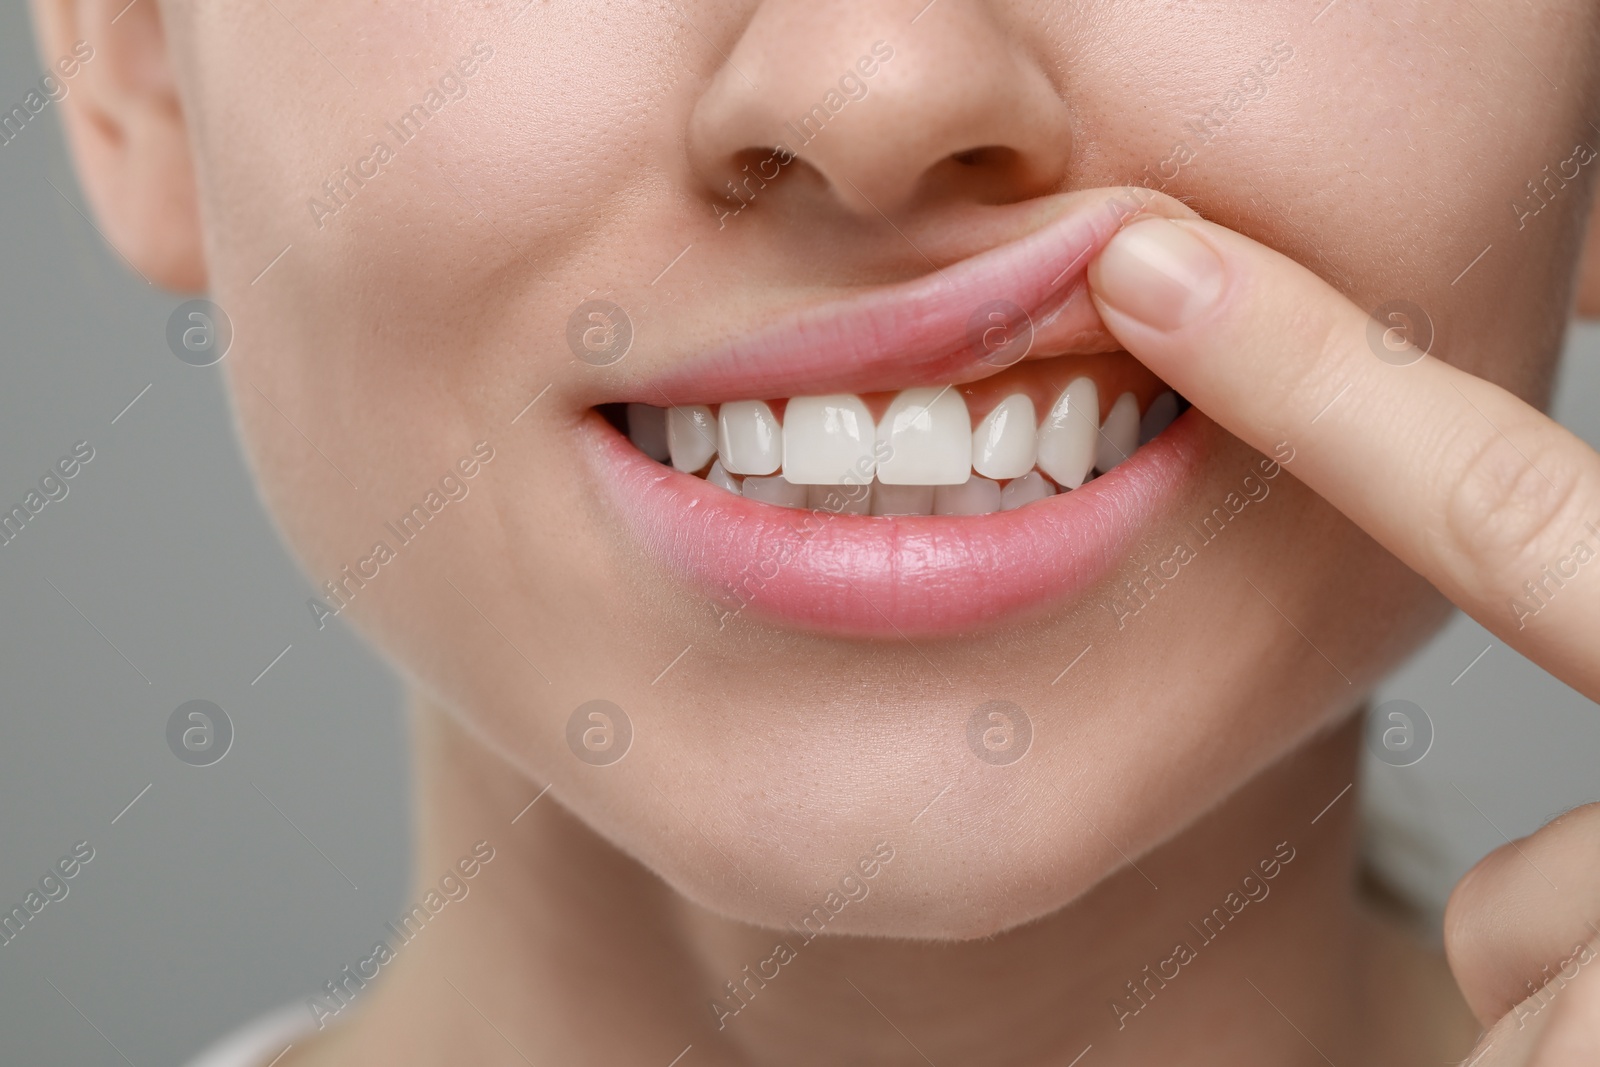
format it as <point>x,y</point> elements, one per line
<point>917,884</point>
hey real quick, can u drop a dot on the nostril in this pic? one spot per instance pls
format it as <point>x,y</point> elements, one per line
<point>992,174</point>
<point>980,157</point>
<point>755,175</point>
<point>767,161</point>
<point>750,172</point>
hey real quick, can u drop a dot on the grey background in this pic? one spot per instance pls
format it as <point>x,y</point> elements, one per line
<point>203,905</point>
<point>226,890</point>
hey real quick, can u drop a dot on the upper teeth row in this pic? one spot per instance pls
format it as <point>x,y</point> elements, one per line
<point>925,438</point>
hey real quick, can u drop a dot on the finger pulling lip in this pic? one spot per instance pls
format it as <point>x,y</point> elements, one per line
<point>929,331</point>
<point>922,575</point>
<point>861,576</point>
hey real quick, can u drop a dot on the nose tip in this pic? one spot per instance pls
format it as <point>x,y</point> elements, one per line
<point>888,114</point>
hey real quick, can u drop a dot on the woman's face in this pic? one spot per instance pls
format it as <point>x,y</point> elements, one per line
<point>407,206</point>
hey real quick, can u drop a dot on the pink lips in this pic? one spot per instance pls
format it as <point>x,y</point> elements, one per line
<point>915,576</point>
<point>918,332</point>
<point>889,577</point>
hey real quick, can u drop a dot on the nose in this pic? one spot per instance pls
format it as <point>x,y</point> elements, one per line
<point>891,106</point>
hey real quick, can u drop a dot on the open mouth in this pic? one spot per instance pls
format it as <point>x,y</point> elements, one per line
<point>998,444</point>
<point>862,469</point>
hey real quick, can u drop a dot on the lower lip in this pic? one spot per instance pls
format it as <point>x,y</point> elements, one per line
<point>854,575</point>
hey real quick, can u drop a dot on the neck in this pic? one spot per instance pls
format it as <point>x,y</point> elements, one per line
<point>1241,940</point>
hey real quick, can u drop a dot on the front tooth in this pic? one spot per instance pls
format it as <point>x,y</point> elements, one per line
<point>978,496</point>
<point>840,499</point>
<point>749,438</point>
<point>647,429</point>
<point>1163,409</point>
<point>1119,434</point>
<point>928,435</point>
<point>719,477</point>
<point>1025,490</point>
<point>775,490</point>
<point>1067,435</point>
<point>1003,443</point>
<point>691,436</point>
<point>828,440</point>
<point>902,499</point>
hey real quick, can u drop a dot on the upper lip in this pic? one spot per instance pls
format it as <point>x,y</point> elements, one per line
<point>916,332</point>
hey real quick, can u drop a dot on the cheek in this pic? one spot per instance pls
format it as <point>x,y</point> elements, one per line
<point>422,292</point>
<point>1394,176</point>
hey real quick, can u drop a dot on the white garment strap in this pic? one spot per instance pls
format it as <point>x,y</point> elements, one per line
<point>262,1041</point>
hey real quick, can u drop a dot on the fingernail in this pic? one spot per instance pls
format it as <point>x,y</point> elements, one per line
<point>1158,272</point>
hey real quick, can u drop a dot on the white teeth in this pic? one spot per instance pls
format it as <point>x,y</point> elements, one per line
<point>1119,434</point>
<point>924,457</point>
<point>928,435</point>
<point>978,496</point>
<point>1163,409</point>
<point>1068,434</point>
<point>1025,490</point>
<point>840,499</point>
<point>691,436</point>
<point>720,478</point>
<point>749,439</point>
<point>647,429</point>
<point>828,440</point>
<point>775,490</point>
<point>1003,444</point>
<point>902,499</point>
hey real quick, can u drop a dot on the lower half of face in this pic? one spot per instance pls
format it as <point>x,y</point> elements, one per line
<point>722,431</point>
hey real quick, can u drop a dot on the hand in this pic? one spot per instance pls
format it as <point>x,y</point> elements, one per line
<point>1471,487</point>
<point>1475,490</point>
<point>1521,933</point>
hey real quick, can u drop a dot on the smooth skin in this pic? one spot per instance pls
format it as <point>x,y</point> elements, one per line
<point>1381,148</point>
<point>1474,489</point>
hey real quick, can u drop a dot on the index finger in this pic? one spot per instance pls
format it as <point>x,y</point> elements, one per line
<point>1482,494</point>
